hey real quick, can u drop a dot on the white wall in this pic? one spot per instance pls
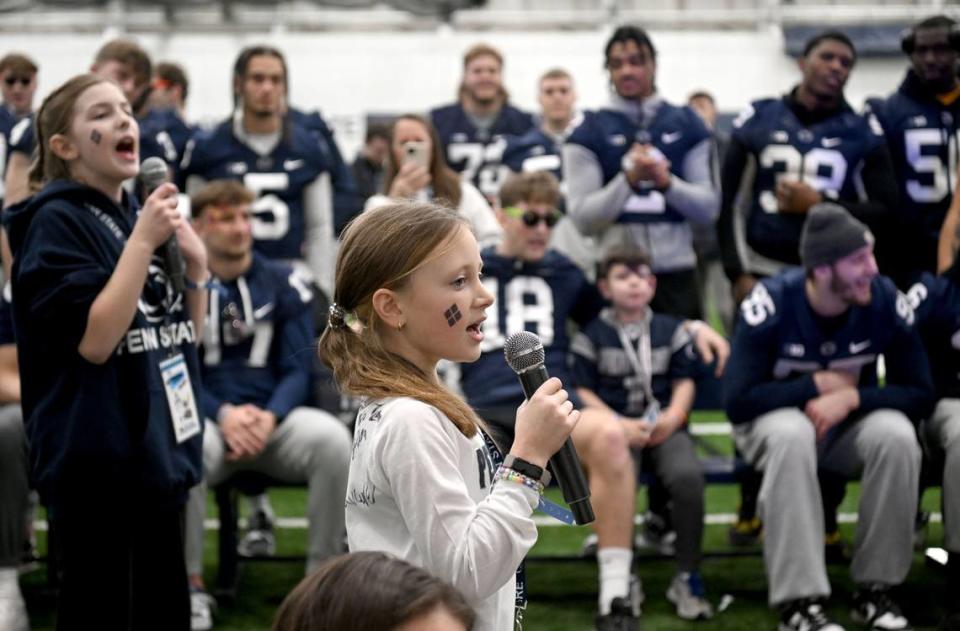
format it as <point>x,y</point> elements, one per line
<point>349,74</point>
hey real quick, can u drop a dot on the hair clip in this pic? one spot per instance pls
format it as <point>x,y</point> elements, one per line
<point>336,316</point>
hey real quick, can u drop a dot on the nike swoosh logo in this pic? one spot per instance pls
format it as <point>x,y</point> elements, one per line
<point>831,142</point>
<point>856,347</point>
<point>292,165</point>
<point>669,139</point>
<point>258,314</point>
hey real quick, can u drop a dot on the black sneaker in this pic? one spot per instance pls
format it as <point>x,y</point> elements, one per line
<point>620,618</point>
<point>873,607</point>
<point>806,615</point>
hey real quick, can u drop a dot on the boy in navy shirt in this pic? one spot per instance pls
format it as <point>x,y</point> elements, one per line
<point>639,367</point>
<point>803,393</point>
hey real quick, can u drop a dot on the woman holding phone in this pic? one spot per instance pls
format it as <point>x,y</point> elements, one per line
<point>415,171</point>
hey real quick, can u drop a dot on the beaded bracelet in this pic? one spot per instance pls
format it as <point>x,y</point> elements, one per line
<point>514,476</point>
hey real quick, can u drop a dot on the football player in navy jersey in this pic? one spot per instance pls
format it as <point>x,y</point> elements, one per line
<point>803,148</point>
<point>921,121</point>
<point>802,391</point>
<point>471,129</point>
<point>256,363</point>
<point>639,171</point>
<point>18,83</point>
<point>164,125</point>
<point>539,290</point>
<point>285,164</point>
<point>936,304</point>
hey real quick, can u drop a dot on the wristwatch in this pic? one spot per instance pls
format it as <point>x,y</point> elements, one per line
<point>528,469</point>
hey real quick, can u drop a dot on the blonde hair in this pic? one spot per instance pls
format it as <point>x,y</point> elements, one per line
<point>55,117</point>
<point>382,248</point>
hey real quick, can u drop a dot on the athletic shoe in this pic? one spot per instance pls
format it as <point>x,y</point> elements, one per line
<point>686,591</point>
<point>620,618</point>
<point>745,532</point>
<point>806,615</point>
<point>655,534</point>
<point>259,540</point>
<point>13,612</point>
<point>874,607</point>
<point>202,606</point>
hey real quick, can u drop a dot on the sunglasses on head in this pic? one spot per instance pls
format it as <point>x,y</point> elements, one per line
<point>12,81</point>
<point>531,218</point>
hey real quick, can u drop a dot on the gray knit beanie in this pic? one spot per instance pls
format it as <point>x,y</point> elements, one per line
<point>831,233</point>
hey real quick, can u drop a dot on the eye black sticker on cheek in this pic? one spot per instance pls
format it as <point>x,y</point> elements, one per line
<point>95,137</point>
<point>452,315</point>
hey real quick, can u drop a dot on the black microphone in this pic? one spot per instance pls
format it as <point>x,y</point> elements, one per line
<point>153,174</point>
<point>525,354</point>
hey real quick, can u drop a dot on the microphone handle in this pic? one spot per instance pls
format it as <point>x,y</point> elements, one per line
<point>565,464</point>
<point>174,264</point>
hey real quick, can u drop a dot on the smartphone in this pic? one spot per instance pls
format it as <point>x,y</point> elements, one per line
<point>416,152</point>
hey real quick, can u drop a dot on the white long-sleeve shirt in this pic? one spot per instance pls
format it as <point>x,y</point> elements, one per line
<point>422,491</point>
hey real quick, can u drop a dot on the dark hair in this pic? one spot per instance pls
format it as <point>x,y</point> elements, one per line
<point>629,255</point>
<point>367,590</point>
<point>538,187</point>
<point>220,193</point>
<point>128,53</point>
<point>18,63</point>
<point>377,130</point>
<point>935,21</point>
<point>628,33</point>
<point>174,75</point>
<point>243,62</point>
<point>445,181</point>
<point>702,94</point>
<point>836,36</point>
<point>55,117</point>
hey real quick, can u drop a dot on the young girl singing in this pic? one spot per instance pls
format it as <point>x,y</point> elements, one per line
<point>108,364</point>
<point>421,484</point>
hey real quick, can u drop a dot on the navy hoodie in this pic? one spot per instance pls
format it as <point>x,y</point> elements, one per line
<point>97,433</point>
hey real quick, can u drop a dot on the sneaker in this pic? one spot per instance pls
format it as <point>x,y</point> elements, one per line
<point>620,618</point>
<point>874,608</point>
<point>259,540</point>
<point>686,591</point>
<point>806,615</point>
<point>13,613</point>
<point>655,534</point>
<point>202,606</point>
<point>745,532</point>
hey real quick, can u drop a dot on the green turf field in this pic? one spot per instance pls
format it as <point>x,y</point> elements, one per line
<point>562,594</point>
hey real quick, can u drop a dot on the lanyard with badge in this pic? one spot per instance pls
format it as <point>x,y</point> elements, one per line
<point>174,371</point>
<point>642,363</point>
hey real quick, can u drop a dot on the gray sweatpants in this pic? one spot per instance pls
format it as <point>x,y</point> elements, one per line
<point>310,446</point>
<point>13,485</point>
<point>881,448</point>
<point>674,463</point>
<point>941,439</point>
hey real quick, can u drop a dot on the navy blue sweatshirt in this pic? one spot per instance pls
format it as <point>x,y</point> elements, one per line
<point>96,432</point>
<point>780,342</point>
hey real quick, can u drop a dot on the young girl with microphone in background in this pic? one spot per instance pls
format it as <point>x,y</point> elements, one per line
<point>108,364</point>
<point>421,485</point>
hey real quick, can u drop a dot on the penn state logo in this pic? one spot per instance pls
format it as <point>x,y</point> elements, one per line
<point>158,299</point>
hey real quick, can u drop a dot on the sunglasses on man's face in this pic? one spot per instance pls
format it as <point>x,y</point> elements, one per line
<point>531,218</point>
<point>12,81</point>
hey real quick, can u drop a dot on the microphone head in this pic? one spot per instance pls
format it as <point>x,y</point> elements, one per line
<point>523,351</point>
<point>153,173</point>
